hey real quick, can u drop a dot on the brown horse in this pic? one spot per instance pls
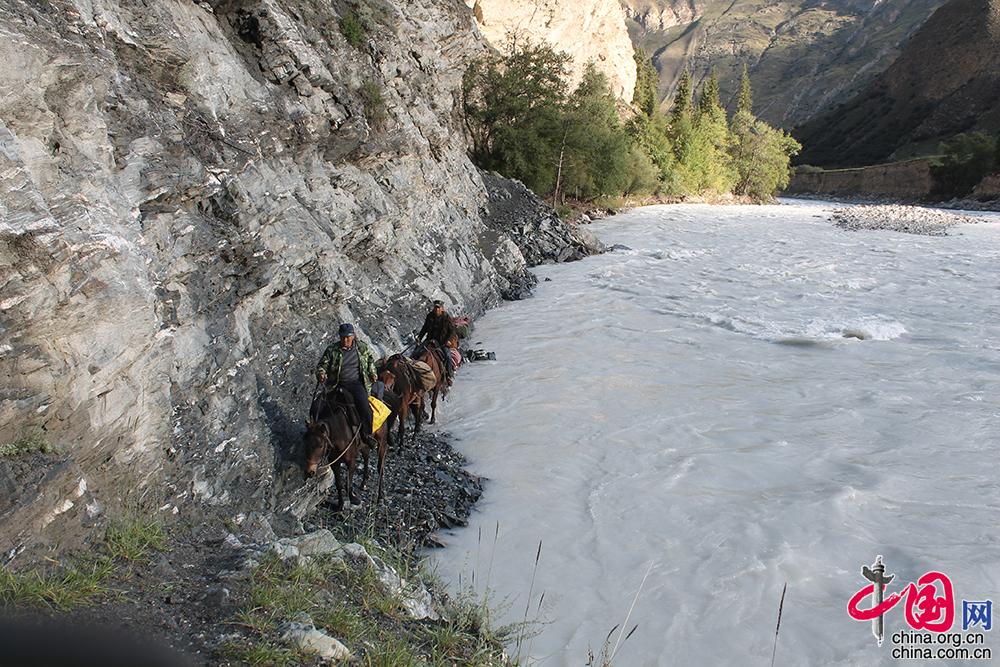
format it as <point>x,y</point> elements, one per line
<point>429,356</point>
<point>331,436</point>
<point>401,379</point>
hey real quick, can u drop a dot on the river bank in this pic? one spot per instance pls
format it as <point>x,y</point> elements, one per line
<point>967,204</point>
<point>199,590</point>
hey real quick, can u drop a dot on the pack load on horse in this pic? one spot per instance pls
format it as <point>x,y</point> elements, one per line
<point>435,334</point>
<point>462,326</point>
<point>424,372</point>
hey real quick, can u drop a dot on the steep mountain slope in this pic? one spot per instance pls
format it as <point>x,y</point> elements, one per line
<point>192,195</point>
<point>804,55</point>
<point>587,30</point>
<point>946,81</point>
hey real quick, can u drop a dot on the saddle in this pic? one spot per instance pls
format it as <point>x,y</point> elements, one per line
<point>438,351</point>
<point>338,398</point>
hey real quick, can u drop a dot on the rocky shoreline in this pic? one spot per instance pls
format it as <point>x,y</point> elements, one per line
<point>899,218</point>
<point>190,596</point>
<point>986,206</point>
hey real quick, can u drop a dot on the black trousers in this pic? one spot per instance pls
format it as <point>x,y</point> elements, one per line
<point>361,404</point>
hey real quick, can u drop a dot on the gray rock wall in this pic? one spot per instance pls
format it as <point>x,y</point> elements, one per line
<point>192,196</point>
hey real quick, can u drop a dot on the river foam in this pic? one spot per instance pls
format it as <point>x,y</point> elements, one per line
<point>737,397</point>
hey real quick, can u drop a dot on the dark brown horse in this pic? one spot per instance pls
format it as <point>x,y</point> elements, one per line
<point>400,378</point>
<point>332,436</point>
<point>429,356</point>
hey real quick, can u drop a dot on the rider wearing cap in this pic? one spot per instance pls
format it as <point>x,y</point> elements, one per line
<point>439,328</point>
<point>349,363</point>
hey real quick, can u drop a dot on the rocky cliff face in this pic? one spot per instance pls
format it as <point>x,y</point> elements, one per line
<point>946,81</point>
<point>589,30</point>
<point>192,195</point>
<point>804,57</point>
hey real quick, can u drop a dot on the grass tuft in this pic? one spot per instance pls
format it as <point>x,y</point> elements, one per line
<point>353,30</point>
<point>374,103</point>
<point>59,589</point>
<point>133,538</point>
<point>30,442</point>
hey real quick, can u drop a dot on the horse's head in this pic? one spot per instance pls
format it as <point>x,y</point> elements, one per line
<point>317,442</point>
<point>388,378</point>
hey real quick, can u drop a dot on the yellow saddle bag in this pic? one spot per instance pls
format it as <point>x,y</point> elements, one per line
<point>380,412</point>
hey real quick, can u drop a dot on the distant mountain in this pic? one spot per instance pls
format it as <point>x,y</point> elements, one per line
<point>805,56</point>
<point>946,81</point>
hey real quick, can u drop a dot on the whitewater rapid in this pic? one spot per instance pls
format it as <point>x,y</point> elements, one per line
<point>739,397</point>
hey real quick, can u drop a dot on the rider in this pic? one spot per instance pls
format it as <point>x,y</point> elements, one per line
<point>438,328</point>
<point>349,363</point>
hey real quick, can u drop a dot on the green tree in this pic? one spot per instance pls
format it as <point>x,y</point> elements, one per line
<point>707,166</point>
<point>761,160</point>
<point>596,156</point>
<point>967,158</point>
<point>710,100</point>
<point>760,154</point>
<point>514,111</point>
<point>647,84</point>
<point>682,96</point>
<point>652,136</point>
<point>745,103</point>
<point>682,121</point>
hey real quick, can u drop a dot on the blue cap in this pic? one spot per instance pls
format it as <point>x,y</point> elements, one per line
<point>346,330</point>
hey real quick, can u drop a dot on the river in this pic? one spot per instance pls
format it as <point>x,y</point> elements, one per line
<point>738,398</point>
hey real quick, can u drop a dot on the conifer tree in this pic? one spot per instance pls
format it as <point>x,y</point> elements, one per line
<point>745,103</point>
<point>647,84</point>
<point>710,99</point>
<point>682,97</point>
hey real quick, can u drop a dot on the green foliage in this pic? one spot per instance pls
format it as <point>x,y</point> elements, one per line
<point>59,589</point>
<point>133,537</point>
<point>682,97</point>
<point>514,105</point>
<point>596,148</point>
<point>710,102</point>
<point>652,136</point>
<point>30,442</point>
<point>761,155</point>
<point>525,125</point>
<point>966,159</point>
<point>374,103</point>
<point>745,103</point>
<point>642,175</point>
<point>808,169</point>
<point>353,30</point>
<point>647,84</point>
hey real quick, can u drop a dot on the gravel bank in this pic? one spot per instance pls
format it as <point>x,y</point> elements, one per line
<point>900,218</point>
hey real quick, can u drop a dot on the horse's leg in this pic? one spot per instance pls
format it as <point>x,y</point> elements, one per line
<point>434,404</point>
<point>383,446</point>
<point>352,464</point>
<point>364,477</point>
<point>404,412</point>
<point>418,415</point>
<point>337,482</point>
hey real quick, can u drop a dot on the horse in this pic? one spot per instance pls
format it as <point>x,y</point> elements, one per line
<point>330,435</point>
<point>400,378</point>
<point>430,357</point>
